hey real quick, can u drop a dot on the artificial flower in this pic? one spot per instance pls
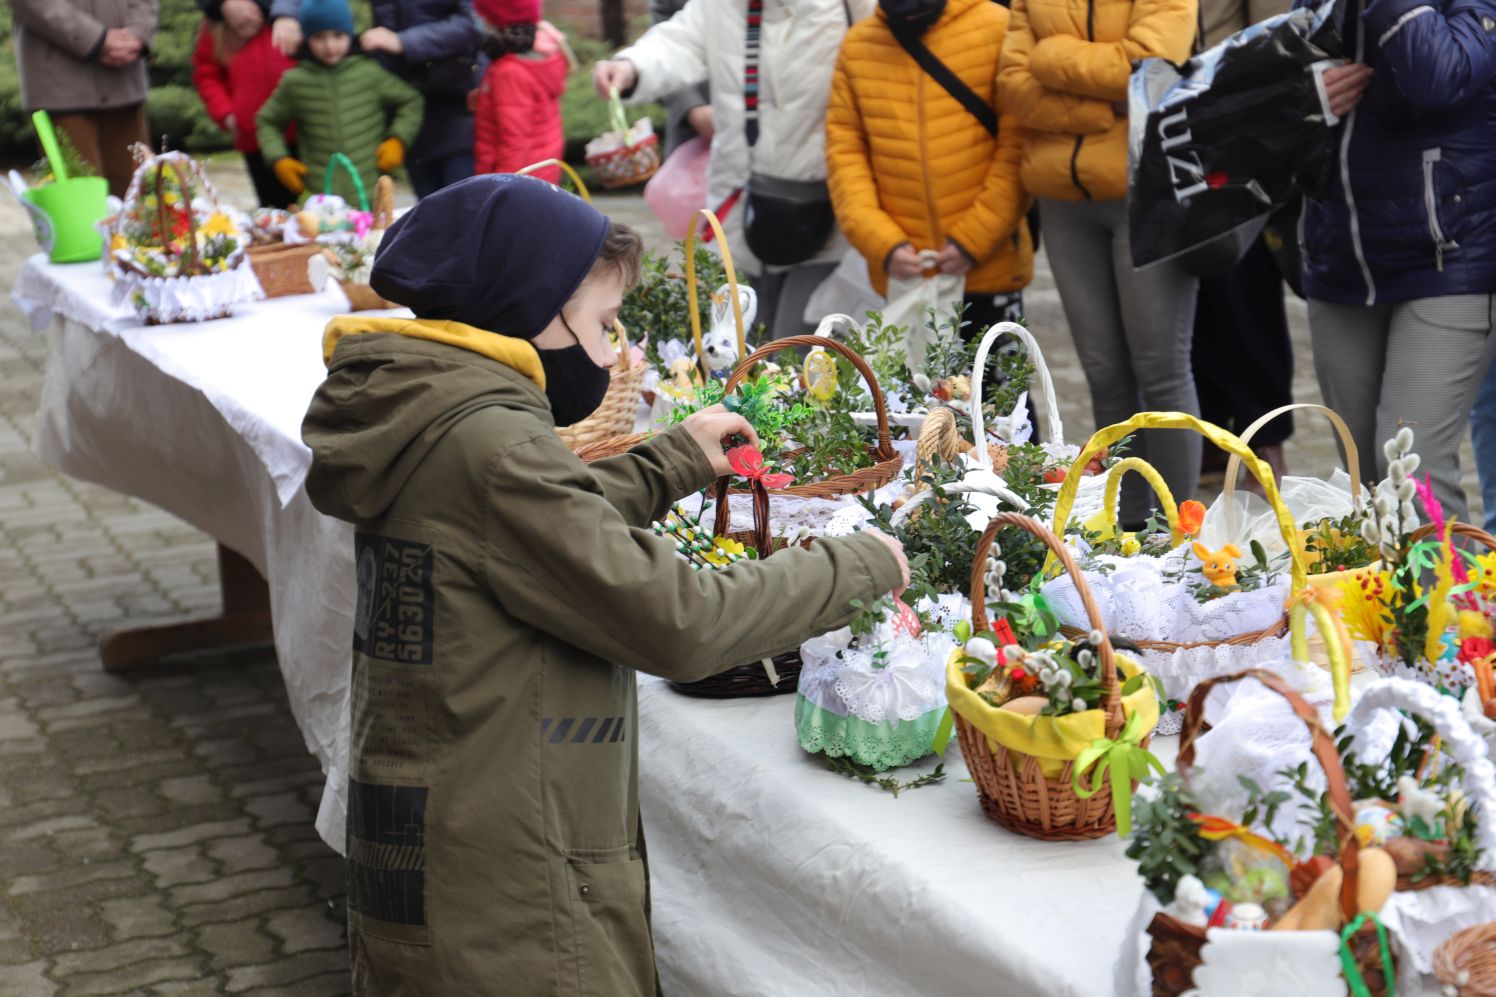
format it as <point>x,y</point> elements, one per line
<point>1474,649</point>
<point>748,461</point>
<point>1474,624</point>
<point>1191,517</point>
<point>724,551</point>
<point>219,223</point>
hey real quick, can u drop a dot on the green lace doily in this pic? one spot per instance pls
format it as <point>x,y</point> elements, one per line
<point>881,745</point>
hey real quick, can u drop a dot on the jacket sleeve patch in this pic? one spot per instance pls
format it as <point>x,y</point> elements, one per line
<point>394,618</point>
<point>387,852</point>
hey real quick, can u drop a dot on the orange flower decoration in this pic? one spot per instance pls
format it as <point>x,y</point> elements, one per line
<point>1191,517</point>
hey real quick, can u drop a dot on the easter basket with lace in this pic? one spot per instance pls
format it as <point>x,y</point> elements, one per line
<point>1184,609</point>
<point>174,255</point>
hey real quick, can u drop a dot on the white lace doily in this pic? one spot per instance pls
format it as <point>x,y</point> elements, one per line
<point>843,679</point>
<point>185,299</point>
<point>1137,600</point>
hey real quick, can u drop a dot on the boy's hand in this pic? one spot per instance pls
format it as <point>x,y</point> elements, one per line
<point>381,40</point>
<point>611,73</point>
<point>897,549</point>
<point>389,155</point>
<point>904,262</point>
<point>285,34</point>
<point>710,427</point>
<point>291,173</point>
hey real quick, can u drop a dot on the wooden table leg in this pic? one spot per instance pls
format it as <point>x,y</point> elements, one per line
<point>245,620</point>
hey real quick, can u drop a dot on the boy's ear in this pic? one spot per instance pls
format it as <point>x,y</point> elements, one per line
<point>1201,551</point>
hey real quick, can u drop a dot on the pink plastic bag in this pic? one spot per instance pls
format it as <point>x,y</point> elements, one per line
<point>678,190</point>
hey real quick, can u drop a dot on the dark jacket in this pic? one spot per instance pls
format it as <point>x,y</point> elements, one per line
<point>1408,214</point>
<point>432,32</point>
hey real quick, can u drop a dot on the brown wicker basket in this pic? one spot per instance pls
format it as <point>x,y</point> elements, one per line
<point>1175,949</point>
<point>620,406</point>
<point>751,679</point>
<point>361,297</point>
<point>1467,961</point>
<point>1013,788</point>
<point>282,268</point>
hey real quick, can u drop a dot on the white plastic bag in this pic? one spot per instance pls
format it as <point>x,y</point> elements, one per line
<point>1242,517</point>
<point>848,291</point>
<point>910,301</point>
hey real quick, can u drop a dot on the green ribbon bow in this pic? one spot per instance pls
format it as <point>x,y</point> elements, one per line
<point>1348,965</point>
<point>1122,761</point>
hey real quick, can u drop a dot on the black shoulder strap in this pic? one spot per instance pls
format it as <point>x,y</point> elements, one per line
<point>942,74</point>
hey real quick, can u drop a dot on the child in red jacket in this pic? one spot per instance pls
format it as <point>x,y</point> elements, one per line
<point>518,119</point>
<point>235,68</point>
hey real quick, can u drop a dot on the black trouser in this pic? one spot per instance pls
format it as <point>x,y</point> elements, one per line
<point>1243,360</point>
<point>271,192</point>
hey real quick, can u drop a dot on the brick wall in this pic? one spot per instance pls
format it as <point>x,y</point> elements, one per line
<point>585,16</point>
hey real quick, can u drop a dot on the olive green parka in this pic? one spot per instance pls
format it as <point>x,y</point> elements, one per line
<point>348,108</point>
<point>507,596</point>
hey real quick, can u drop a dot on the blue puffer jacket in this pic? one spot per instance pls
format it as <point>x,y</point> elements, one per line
<point>1418,156</point>
<point>430,31</point>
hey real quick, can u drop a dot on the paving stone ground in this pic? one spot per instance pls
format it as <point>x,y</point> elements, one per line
<point>156,830</point>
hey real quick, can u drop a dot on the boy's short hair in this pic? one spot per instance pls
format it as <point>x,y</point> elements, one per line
<point>623,251</point>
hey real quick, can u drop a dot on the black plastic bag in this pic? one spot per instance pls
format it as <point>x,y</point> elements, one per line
<point>1235,133</point>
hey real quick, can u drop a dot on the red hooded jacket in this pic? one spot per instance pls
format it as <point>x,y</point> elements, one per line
<point>518,119</point>
<point>241,86</point>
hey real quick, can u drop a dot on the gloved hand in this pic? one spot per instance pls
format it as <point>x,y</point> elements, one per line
<point>291,173</point>
<point>389,155</point>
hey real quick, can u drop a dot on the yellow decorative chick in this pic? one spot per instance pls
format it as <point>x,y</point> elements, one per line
<point>1218,567</point>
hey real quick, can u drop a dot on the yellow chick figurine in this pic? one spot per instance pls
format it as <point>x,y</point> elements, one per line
<point>1218,567</point>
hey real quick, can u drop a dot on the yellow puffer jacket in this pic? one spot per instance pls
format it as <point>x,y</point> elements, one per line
<point>907,163</point>
<point>1064,75</point>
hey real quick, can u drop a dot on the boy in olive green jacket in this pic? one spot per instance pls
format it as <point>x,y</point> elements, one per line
<point>508,594</point>
<point>340,102</point>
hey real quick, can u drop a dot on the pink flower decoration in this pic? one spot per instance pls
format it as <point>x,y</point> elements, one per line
<point>363,222</point>
<point>1435,510</point>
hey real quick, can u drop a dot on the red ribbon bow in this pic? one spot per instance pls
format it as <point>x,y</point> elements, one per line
<point>748,461</point>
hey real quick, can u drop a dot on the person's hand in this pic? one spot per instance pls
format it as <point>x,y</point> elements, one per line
<point>904,262</point>
<point>1345,85</point>
<point>285,34</point>
<point>897,549</point>
<point>472,100</point>
<point>711,428</point>
<point>389,155</point>
<point>291,173</point>
<point>231,125</point>
<point>953,259</point>
<point>121,48</point>
<point>703,120</point>
<point>243,18</point>
<point>381,40</point>
<point>614,73</point>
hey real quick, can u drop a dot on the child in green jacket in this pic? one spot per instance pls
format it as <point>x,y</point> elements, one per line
<point>508,594</point>
<point>340,102</point>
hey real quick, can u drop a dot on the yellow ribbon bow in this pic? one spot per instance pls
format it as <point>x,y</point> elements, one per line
<point>1124,757</point>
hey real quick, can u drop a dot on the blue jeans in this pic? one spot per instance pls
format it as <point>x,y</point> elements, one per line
<point>1483,436</point>
<point>431,175</point>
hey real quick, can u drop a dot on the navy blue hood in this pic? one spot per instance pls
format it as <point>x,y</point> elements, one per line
<point>498,251</point>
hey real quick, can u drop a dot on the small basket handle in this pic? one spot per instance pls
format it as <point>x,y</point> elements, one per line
<point>1324,751</point>
<point>732,285</point>
<point>1347,443</point>
<point>1114,476</point>
<point>1044,397</point>
<point>338,159</point>
<point>566,168</point>
<point>1112,701</point>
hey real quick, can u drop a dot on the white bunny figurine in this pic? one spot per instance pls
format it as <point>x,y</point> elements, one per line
<point>719,345</point>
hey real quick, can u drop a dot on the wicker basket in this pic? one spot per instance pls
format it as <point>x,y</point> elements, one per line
<point>1260,470</point>
<point>629,165</point>
<point>620,406</point>
<point>753,678</point>
<point>282,268</point>
<point>1012,786</point>
<point>1175,950</point>
<point>1467,961</point>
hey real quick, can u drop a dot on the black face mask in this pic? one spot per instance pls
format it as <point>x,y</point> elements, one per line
<point>574,383</point>
<point>916,16</point>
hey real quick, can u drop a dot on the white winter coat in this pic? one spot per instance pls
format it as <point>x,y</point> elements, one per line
<point>798,45</point>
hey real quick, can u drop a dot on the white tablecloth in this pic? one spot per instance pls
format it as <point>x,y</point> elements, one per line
<point>204,420</point>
